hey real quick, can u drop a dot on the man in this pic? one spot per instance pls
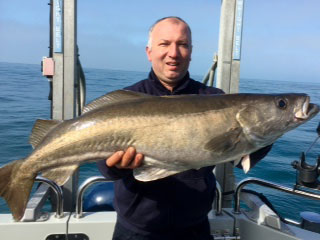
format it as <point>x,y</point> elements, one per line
<point>175,207</point>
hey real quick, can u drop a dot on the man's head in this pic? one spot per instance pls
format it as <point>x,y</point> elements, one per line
<point>169,50</point>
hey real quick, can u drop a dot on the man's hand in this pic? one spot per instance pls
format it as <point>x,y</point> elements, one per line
<point>125,160</point>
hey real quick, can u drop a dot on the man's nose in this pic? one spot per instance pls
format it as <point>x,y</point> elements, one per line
<point>173,51</point>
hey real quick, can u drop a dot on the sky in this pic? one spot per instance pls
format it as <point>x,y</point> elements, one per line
<point>280,39</point>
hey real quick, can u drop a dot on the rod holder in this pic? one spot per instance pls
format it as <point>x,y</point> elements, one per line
<point>307,175</point>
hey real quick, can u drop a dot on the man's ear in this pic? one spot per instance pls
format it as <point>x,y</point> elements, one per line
<point>148,51</point>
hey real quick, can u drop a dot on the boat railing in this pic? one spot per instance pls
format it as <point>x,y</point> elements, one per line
<point>96,179</point>
<point>218,199</point>
<point>35,204</point>
<point>38,199</point>
<point>83,187</point>
<point>31,215</point>
<point>268,184</point>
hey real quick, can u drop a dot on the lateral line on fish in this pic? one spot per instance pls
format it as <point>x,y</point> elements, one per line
<point>76,159</point>
<point>152,124</point>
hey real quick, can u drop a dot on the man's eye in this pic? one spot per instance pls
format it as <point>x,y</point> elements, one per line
<point>184,45</point>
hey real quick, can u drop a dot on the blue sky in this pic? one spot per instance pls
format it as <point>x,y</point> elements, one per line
<point>281,39</point>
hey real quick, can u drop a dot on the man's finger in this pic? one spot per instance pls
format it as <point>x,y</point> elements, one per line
<point>115,159</point>
<point>128,157</point>
<point>137,161</point>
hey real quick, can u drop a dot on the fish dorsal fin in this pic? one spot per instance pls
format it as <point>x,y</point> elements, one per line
<point>113,97</point>
<point>60,175</point>
<point>40,130</point>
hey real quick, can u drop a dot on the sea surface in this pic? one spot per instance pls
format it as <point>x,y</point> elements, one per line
<point>24,98</point>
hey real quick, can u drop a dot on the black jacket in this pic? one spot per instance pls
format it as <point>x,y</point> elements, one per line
<point>172,203</point>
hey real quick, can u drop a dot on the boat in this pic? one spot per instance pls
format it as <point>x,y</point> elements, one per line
<point>255,218</point>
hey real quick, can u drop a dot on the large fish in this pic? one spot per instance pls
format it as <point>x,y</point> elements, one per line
<point>175,133</point>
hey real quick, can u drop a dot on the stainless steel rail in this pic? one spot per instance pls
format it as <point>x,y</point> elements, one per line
<point>218,199</point>
<point>264,183</point>
<point>87,183</point>
<point>58,193</point>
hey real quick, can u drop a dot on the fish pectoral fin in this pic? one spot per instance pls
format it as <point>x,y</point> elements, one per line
<point>147,173</point>
<point>245,163</point>
<point>40,130</point>
<point>60,175</point>
<point>154,169</point>
<point>225,142</point>
<point>113,97</point>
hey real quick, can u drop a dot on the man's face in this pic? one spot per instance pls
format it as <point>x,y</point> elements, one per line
<point>170,52</point>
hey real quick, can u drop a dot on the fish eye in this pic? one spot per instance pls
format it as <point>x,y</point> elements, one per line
<point>282,103</point>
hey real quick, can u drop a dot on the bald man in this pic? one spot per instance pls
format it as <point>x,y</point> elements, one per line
<point>174,207</point>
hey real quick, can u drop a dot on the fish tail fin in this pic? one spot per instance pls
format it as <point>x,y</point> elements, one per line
<point>16,193</point>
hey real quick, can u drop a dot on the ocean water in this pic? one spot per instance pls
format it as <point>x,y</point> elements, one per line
<point>24,98</point>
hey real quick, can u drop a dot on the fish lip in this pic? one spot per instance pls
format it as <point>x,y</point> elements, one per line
<point>308,110</point>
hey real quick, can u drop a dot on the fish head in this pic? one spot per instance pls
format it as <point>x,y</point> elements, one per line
<point>265,118</point>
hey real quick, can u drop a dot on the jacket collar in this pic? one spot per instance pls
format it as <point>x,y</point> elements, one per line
<point>183,84</point>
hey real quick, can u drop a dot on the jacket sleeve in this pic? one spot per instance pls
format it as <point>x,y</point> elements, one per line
<point>258,155</point>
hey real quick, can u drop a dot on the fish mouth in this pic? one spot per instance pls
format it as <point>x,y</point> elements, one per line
<point>307,111</point>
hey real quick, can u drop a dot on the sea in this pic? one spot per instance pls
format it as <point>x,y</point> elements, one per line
<point>24,98</point>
